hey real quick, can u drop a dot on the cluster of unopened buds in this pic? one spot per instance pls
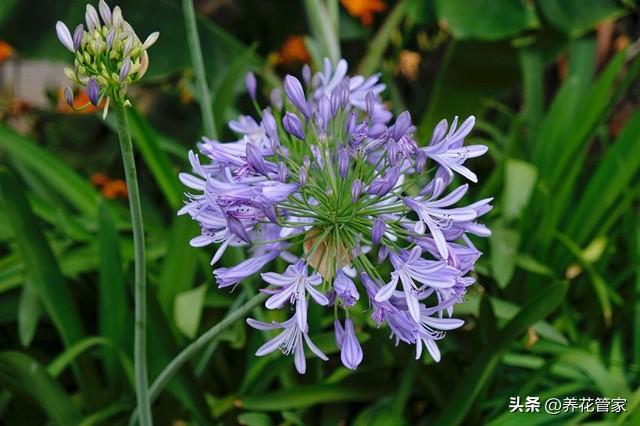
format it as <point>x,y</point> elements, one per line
<point>108,55</point>
<point>328,182</point>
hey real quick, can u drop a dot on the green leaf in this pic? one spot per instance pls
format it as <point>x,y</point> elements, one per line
<point>378,45</point>
<point>114,314</point>
<point>504,253</point>
<point>481,371</point>
<point>530,264</point>
<point>305,396</point>
<point>28,314</point>
<point>43,270</point>
<point>555,141</point>
<point>599,284</point>
<point>64,359</point>
<point>323,29</point>
<point>179,266</point>
<point>610,181</point>
<point>22,374</point>
<point>226,90</point>
<point>520,179</point>
<point>576,17</point>
<point>188,310</point>
<point>592,366</point>
<point>466,78</point>
<point>500,18</point>
<point>184,386</point>
<point>505,310</point>
<point>379,414</point>
<point>147,141</point>
<point>64,180</point>
<point>101,416</point>
<point>532,68</point>
<point>255,419</point>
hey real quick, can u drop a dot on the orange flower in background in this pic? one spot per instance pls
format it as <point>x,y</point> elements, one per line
<point>115,189</point>
<point>99,179</point>
<point>293,51</point>
<point>6,51</point>
<point>79,100</point>
<point>111,189</point>
<point>364,9</point>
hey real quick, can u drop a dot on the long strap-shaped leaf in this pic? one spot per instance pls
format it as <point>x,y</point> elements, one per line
<point>43,271</point>
<point>21,373</point>
<point>482,369</point>
<point>76,190</point>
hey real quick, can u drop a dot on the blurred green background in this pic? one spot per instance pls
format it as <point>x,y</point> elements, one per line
<point>556,310</point>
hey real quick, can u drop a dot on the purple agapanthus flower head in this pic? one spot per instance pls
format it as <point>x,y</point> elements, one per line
<point>329,182</point>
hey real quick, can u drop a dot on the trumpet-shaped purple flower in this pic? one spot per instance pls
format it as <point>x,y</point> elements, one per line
<point>416,274</point>
<point>288,341</point>
<point>292,287</point>
<point>435,215</point>
<point>335,201</point>
<point>448,150</point>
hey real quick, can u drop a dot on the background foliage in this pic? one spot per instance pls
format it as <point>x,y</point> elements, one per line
<point>556,311</point>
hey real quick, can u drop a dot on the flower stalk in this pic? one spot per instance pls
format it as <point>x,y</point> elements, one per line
<point>140,341</point>
<point>198,68</point>
<point>108,57</point>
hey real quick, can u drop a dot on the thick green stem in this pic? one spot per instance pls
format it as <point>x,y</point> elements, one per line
<point>140,344</point>
<point>190,351</point>
<point>198,68</point>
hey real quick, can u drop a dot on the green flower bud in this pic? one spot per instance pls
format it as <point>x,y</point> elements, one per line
<point>101,50</point>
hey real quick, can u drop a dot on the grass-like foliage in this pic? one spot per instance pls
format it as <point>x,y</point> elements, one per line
<point>106,321</point>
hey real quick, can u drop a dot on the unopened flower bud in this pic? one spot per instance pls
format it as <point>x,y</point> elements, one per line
<point>306,74</point>
<point>343,161</point>
<point>91,17</point>
<point>295,93</point>
<point>292,125</point>
<point>105,12</point>
<point>356,190</point>
<point>64,36</point>
<point>237,228</point>
<point>377,231</point>
<point>276,98</point>
<point>93,91</point>
<point>68,96</point>
<point>78,33</point>
<point>251,84</point>
<point>124,69</point>
<point>383,252</point>
<point>151,40</point>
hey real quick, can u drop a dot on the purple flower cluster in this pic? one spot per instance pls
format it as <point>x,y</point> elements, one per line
<point>327,181</point>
